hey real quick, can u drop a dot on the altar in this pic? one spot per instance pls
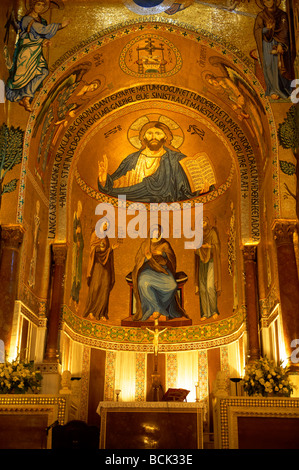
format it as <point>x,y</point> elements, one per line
<point>151,425</point>
<point>256,423</point>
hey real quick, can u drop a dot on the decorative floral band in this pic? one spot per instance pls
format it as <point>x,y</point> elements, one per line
<point>113,337</point>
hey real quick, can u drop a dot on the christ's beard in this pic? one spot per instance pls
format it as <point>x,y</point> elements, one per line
<point>155,144</point>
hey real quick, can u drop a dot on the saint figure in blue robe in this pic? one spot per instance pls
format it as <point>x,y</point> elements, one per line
<point>208,272</point>
<point>271,32</point>
<point>153,277</point>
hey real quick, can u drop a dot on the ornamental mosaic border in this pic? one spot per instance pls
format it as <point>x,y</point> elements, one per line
<point>94,194</point>
<point>224,365</point>
<point>203,379</point>
<point>225,403</point>
<point>27,401</point>
<point>84,383</point>
<point>171,370</point>
<point>162,24</point>
<point>104,198</point>
<point>150,405</point>
<point>167,24</point>
<point>113,338</point>
<point>39,321</point>
<point>269,303</point>
<point>140,377</point>
<point>109,375</point>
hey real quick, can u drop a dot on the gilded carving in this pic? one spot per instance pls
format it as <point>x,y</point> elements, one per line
<point>59,252</point>
<point>12,235</point>
<point>249,253</point>
<point>283,232</point>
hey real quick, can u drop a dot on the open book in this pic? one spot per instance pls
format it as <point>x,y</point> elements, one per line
<point>175,394</point>
<point>199,172</point>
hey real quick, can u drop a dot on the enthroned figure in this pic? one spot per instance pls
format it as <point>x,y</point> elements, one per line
<point>152,174</point>
<point>154,284</point>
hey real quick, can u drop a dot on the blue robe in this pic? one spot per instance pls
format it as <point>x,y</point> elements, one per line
<point>208,273</point>
<point>278,71</point>
<point>29,67</point>
<point>157,293</point>
<point>154,283</point>
<point>168,183</point>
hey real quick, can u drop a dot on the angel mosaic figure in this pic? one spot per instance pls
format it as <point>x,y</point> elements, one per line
<point>29,67</point>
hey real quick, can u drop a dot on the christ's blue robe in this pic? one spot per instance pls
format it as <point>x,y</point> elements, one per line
<point>168,183</point>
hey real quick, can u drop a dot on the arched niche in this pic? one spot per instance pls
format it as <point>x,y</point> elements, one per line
<point>97,92</point>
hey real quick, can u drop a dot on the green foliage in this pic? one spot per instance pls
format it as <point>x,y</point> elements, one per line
<point>288,131</point>
<point>10,187</point>
<point>11,145</point>
<point>288,168</point>
<point>16,377</point>
<point>11,148</point>
<point>264,377</point>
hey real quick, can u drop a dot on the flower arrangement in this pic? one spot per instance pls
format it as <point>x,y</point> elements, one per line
<point>16,377</point>
<point>264,377</point>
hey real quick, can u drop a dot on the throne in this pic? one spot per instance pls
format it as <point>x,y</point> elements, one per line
<point>181,279</point>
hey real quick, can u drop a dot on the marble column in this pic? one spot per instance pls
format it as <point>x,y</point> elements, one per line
<point>11,240</point>
<point>59,251</point>
<point>288,284</point>
<point>251,294</point>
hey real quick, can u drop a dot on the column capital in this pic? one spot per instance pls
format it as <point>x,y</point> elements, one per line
<point>249,252</point>
<point>12,235</point>
<point>59,253</point>
<point>283,231</point>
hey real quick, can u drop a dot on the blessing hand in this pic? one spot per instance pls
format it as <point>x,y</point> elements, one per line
<point>103,169</point>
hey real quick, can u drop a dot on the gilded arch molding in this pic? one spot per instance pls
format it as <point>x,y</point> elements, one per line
<point>93,48</point>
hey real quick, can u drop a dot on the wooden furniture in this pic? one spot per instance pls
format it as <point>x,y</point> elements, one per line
<point>151,425</point>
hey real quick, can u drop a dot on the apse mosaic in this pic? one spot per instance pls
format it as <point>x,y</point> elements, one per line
<point>150,56</point>
<point>204,137</point>
<point>196,103</point>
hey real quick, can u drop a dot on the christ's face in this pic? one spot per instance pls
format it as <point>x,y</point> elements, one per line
<point>154,138</point>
